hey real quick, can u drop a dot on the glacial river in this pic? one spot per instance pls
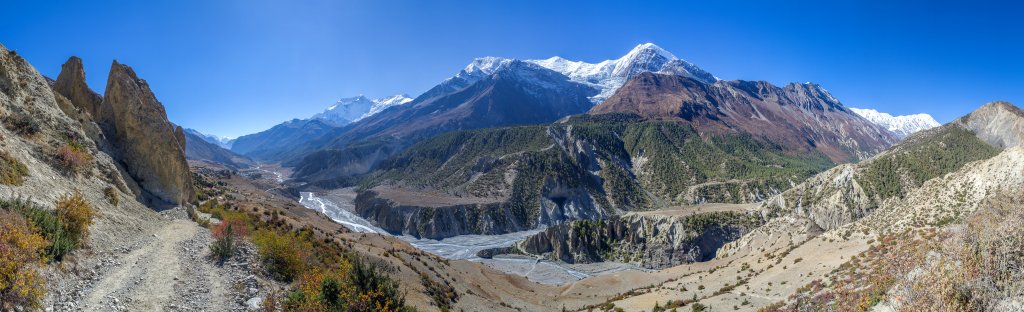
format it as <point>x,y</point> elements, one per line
<point>465,247</point>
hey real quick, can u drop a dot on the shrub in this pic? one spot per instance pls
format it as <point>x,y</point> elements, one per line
<point>111,195</point>
<point>12,171</point>
<point>359,285</point>
<point>284,254</point>
<point>72,158</point>
<point>75,213</point>
<point>45,222</point>
<point>373,286</point>
<point>225,235</point>
<point>22,124</point>
<point>20,257</point>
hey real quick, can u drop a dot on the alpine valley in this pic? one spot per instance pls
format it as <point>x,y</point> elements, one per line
<point>641,183</point>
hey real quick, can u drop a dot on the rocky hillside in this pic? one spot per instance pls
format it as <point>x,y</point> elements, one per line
<point>800,117</point>
<point>849,192</point>
<point>651,240</point>
<point>588,167</point>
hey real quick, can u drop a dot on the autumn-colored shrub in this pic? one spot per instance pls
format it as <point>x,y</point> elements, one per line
<point>72,158</point>
<point>359,285</point>
<point>75,213</point>
<point>284,255</point>
<point>21,252</point>
<point>45,222</point>
<point>225,235</point>
<point>12,171</point>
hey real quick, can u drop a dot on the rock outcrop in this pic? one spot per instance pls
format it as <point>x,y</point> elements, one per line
<point>649,240</point>
<point>151,148</point>
<point>71,84</point>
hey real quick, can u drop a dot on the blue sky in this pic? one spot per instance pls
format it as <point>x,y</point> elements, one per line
<point>237,67</point>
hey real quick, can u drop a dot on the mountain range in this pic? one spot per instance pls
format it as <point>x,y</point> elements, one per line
<point>223,142</point>
<point>483,94</point>
<point>901,126</point>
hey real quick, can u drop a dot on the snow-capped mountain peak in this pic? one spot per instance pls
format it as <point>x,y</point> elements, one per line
<point>606,76</point>
<point>902,126</point>
<point>609,75</point>
<point>486,65</point>
<point>352,109</point>
<point>386,102</point>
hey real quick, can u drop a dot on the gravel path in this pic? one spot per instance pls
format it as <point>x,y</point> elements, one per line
<point>168,270</point>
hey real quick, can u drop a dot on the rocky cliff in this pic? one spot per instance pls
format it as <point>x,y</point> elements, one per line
<point>71,83</point>
<point>649,240</point>
<point>150,147</point>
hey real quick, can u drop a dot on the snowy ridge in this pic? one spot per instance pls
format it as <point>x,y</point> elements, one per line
<point>609,75</point>
<point>606,76</point>
<point>902,126</point>
<point>348,110</point>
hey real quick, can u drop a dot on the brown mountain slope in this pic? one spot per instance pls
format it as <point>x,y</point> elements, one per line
<point>800,117</point>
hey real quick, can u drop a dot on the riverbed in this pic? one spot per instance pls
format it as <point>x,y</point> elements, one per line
<point>339,206</point>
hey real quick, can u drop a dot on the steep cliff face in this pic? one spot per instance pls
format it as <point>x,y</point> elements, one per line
<point>152,149</point>
<point>650,240</point>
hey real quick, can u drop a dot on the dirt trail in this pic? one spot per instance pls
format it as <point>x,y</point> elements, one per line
<point>170,271</point>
